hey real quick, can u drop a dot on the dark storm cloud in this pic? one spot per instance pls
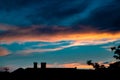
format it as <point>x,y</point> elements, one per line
<point>15,4</point>
<point>103,15</point>
<point>81,35</point>
<point>106,17</point>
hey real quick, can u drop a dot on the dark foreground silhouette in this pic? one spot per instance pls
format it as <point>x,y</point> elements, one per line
<point>44,73</point>
<point>112,72</point>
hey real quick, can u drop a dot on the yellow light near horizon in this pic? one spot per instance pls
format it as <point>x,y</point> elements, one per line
<point>88,36</point>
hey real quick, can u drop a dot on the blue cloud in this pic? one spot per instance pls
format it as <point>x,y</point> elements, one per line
<point>99,13</point>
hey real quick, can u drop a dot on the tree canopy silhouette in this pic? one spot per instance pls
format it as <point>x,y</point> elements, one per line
<point>115,65</point>
<point>95,65</point>
<point>116,51</point>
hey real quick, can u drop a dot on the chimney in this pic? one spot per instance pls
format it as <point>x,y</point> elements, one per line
<point>43,65</point>
<point>35,65</point>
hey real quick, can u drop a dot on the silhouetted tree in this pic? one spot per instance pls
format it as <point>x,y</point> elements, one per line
<point>116,51</point>
<point>6,69</point>
<point>115,65</point>
<point>95,65</point>
<point>89,62</point>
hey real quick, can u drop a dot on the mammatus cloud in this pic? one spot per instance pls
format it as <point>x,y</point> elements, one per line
<point>71,65</point>
<point>3,51</point>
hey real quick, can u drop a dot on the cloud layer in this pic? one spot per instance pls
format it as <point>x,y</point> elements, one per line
<point>97,13</point>
<point>3,51</point>
<point>83,22</point>
<point>82,35</point>
<point>44,26</point>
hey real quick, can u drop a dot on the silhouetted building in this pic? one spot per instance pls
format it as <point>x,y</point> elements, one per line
<point>43,65</point>
<point>115,65</point>
<point>43,73</point>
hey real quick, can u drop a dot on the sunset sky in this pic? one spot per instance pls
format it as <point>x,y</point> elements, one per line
<point>63,33</point>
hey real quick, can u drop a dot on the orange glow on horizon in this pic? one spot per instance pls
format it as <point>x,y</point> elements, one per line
<point>71,65</point>
<point>54,38</point>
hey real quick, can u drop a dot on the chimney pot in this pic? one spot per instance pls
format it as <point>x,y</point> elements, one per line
<point>43,65</point>
<point>35,65</point>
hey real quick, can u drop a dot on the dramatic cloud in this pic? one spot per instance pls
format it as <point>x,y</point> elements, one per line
<point>43,26</point>
<point>28,51</point>
<point>54,47</point>
<point>98,13</point>
<point>7,28</point>
<point>82,35</point>
<point>3,51</point>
